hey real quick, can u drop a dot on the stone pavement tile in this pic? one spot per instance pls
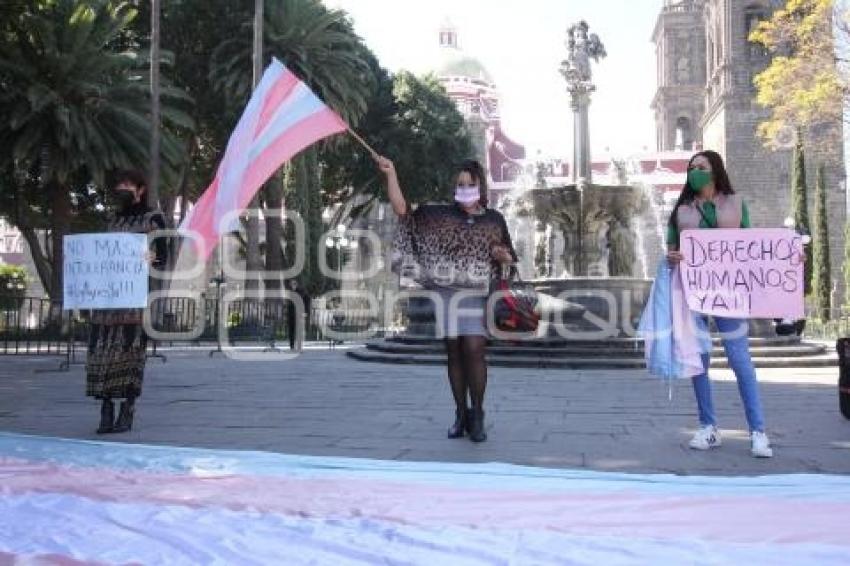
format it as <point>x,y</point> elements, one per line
<point>397,444</point>
<point>525,432</point>
<point>537,423</point>
<point>325,404</point>
<point>589,426</point>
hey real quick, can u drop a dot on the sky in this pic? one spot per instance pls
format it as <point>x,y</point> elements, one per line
<point>521,43</point>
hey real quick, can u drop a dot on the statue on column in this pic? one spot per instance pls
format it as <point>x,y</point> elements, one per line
<point>581,48</point>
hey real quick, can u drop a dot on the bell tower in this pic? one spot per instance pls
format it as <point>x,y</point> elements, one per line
<point>679,39</point>
<point>448,35</point>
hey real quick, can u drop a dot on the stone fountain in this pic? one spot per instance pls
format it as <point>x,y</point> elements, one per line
<point>590,230</point>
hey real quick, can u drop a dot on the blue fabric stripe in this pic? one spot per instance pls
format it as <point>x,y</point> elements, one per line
<point>181,460</point>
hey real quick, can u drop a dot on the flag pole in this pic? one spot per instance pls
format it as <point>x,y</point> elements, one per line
<point>362,142</point>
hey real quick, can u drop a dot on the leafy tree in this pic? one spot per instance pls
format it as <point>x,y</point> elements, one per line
<point>822,277</point>
<point>802,86</point>
<point>799,200</point>
<point>412,121</point>
<point>846,266</point>
<point>435,137</point>
<point>348,169</point>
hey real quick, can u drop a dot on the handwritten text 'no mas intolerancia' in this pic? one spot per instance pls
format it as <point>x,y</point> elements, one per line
<point>104,267</point>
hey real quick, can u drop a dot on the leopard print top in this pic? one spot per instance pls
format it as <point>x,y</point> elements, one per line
<point>441,245</point>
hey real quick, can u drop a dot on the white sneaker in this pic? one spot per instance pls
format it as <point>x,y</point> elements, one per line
<point>761,446</point>
<point>705,438</point>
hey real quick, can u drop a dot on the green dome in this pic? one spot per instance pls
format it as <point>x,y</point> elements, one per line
<point>460,65</point>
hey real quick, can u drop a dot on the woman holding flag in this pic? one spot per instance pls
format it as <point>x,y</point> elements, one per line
<point>708,201</point>
<point>457,249</point>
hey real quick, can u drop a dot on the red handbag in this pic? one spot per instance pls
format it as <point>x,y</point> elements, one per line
<point>515,308</point>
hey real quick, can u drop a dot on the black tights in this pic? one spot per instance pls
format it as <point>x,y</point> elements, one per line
<point>467,369</point>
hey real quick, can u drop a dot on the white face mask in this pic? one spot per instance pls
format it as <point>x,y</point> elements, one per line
<point>467,195</point>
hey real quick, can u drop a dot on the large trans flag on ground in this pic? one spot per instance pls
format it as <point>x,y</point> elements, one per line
<point>282,118</point>
<point>77,502</point>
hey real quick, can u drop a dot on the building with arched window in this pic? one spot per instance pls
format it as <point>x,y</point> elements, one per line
<point>680,45</point>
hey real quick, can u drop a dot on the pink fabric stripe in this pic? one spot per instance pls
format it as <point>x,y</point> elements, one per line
<point>202,220</point>
<point>240,142</point>
<point>616,513</point>
<point>300,136</point>
<point>238,180</point>
<point>274,98</point>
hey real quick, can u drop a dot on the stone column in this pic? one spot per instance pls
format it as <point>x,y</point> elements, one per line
<point>580,100</point>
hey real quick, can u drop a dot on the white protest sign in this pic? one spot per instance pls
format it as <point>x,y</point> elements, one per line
<point>746,273</point>
<point>105,271</point>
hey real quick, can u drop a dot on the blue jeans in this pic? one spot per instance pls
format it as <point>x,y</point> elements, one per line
<point>733,333</point>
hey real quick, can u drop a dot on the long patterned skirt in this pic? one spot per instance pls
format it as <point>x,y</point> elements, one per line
<point>115,365</point>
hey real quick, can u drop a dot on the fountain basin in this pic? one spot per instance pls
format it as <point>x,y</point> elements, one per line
<point>613,305</point>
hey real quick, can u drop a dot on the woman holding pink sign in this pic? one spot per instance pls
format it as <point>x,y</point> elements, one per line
<point>708,201</point>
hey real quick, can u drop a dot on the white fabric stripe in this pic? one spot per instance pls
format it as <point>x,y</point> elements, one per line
<point>34,524</point>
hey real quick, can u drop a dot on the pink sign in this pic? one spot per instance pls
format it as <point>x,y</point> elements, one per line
<point>752,273</point>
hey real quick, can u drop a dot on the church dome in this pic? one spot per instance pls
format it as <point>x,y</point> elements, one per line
<point>455,63</point>
<point>458,64</point>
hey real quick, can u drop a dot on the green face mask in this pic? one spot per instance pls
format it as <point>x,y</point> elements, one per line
<point>698,179</point>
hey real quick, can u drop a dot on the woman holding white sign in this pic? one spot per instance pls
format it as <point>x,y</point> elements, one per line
<point>708,201</point>
<point>115,364</point>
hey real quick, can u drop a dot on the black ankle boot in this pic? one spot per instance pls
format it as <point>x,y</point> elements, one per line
<point>457,429</point>
<point>475,425</point>
<point>125,416</point>
<point>107,417</point>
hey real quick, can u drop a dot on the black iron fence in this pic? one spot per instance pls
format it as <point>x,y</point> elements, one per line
<point>39,326</point>
<point>829,326</point>
<point>255,320</point>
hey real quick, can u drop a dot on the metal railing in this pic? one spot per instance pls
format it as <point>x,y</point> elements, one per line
<point>37,326</point>
<point>257,320</point>
<point>831,327</point>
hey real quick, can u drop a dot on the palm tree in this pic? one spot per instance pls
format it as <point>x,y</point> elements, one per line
<point>252,225</point>
<point>156,108</point>
<point>74,105</point>
<point>316,43</point>
<point>320,46</point>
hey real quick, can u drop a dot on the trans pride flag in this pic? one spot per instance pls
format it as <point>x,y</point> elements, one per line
<point>675,338</point>
<point>76,502</point>
<point>282,117</point>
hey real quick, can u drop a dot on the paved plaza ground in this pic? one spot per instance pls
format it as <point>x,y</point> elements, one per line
<point>323,403</point>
